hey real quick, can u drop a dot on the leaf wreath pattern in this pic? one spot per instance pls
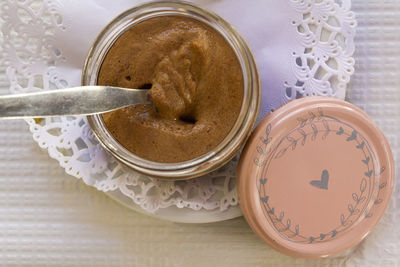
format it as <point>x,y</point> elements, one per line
<point>309,129</point>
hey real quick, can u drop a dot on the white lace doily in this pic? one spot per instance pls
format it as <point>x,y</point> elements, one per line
<point>303,47</point>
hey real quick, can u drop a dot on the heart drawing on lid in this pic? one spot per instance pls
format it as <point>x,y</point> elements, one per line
<point>323,183</point>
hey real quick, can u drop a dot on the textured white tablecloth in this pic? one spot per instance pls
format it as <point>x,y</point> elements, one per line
<point>49,218</point>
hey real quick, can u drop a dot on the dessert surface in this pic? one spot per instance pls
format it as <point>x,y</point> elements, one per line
<point>195,82</point>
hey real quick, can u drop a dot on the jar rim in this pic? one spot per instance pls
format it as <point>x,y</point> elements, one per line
<point>246,119</point>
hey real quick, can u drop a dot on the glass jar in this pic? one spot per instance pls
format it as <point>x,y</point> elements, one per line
<point>245,122</point>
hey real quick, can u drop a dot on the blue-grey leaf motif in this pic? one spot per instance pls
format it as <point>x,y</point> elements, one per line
<point>294,144</point>
<point>369,173</point>
<point>263,181</point>
<point>315,131</point>
<point>264,199</point>
<point>302,122</point>
<point>281,153</point>
<point>342,219</point>
<point>322,236</point>
<point>266,141</point>
<point>303,133</point>
<point>292,141</point>
<point>355,197</point>
<point>363,185</point>
<point>312,239</point>
<point>366,161</point>
<point>321,112</point>
<point>271,211</point>
<point>334,233</point>
<point>382,170</point>
<point>340,132</point>
<point>281,215</point>
<point>268,130</point>
<point>258,162</point>
<point>350,208</point>
<point>382,185</point>
<point>352,137</point>
<point>312,116</point>
<point>326,125</point>
<point>361,146</point>
<point>303,142</point>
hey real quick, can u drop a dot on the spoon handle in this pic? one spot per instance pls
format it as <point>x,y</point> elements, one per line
<point>76,101</point>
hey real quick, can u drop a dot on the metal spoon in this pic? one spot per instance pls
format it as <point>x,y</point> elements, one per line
<point>77,101</point>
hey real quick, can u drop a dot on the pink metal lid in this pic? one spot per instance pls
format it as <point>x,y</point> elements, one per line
<point>315,177</point>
